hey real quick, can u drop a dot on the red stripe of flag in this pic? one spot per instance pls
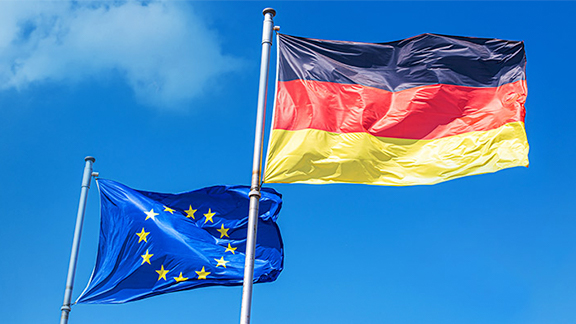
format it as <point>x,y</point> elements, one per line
<point>426,112</point>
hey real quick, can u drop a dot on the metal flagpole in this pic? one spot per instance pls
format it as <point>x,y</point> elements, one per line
<point>76,242</point>
<point>269,13</point>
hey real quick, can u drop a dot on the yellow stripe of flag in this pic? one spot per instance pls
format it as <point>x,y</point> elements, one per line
<point>319,157</point>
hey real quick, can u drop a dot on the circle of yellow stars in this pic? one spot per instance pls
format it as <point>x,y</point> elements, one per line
<point>190,213</point>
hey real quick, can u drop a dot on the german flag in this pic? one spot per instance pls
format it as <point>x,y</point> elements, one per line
<point>422,110</point>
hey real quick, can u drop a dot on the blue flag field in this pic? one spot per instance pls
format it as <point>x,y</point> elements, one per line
<point>155,243</point>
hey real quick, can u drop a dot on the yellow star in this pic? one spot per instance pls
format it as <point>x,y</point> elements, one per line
<point>209,216</point>
<point>151,214</point>
<point>202,274</point>
<point>146,257</point>
<point>142,235</point>
<point>190,212</point>
<point>231,249</point>
<point>162,273</point>
<point>221,262</point>
<point>180,278</point>
<point>168,209</point>
<point>223,231</point>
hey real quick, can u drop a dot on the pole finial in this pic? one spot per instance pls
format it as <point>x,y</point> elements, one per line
<point>269,10</point>
<point>90,158</point>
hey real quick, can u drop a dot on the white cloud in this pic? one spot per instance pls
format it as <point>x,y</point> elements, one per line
<point>164,50</point>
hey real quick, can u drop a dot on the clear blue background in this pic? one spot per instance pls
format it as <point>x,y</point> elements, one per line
<point>164,96</point>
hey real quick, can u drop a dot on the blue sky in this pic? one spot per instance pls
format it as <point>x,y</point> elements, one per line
<point>163,94</point>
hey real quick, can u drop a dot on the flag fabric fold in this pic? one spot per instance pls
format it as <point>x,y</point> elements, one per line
<point>417,111</point>
<point>155,243</point>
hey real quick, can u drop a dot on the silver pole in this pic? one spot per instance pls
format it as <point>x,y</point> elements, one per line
<point>269,13</point>
<point>76,242</point>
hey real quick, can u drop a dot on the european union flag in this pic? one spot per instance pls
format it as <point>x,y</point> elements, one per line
<point>154,243</point>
